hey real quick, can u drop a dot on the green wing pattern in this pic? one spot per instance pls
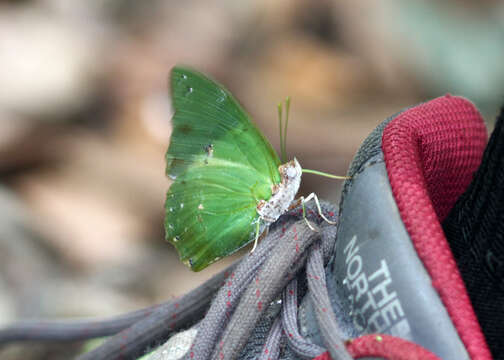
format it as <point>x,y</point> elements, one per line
<point>221,166</point>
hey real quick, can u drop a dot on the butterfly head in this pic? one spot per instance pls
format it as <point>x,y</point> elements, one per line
<point>290,171</point>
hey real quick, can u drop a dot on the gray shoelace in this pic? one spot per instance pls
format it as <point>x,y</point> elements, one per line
<point>242,292</point>
<point>258,281</point>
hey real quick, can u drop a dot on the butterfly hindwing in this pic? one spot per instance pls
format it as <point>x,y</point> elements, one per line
<point>208,216</point>
<point>221,166</point>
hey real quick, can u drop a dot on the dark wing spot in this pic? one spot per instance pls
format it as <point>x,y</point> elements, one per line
<point>176,162</point>
<point>189,91</point>
<point>181,78</point>
<point>209,150</point>
<point>185,128</point>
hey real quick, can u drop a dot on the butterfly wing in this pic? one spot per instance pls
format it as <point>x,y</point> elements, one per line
<point>221,166</point>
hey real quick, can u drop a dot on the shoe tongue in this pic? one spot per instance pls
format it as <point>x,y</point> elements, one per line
<point>475,231</point>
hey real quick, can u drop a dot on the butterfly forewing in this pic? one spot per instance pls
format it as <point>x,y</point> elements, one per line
<point>205,112</point>
<point>221,166</point>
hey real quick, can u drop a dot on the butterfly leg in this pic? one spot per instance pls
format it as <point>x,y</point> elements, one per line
<point>315,198</point>
<point>258,226</point>
<point>304,212</point>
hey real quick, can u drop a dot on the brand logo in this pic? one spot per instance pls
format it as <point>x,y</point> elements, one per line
<point>376,307</point>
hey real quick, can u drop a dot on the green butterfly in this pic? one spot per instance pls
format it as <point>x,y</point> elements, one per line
<point>228,182</point>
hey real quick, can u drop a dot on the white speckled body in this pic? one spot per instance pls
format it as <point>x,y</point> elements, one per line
<point>283,194</point>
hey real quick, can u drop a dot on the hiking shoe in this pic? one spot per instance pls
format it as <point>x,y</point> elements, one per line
<point>393,270</point>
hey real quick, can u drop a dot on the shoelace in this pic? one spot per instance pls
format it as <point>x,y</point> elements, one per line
<point>256,283</point>
<point>245,291</point>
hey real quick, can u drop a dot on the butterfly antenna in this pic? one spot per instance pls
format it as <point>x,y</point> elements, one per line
<point>287,109</point>
<point>280,128</point>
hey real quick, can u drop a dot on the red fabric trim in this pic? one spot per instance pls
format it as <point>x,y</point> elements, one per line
<point>388,347</point>
<point>431,152</point>
<point>323,356</point>
<point>384,346</point>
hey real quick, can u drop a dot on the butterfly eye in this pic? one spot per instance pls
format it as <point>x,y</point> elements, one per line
<point>290,172</point>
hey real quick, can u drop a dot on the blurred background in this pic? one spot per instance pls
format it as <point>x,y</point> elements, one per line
<point>85,121</point>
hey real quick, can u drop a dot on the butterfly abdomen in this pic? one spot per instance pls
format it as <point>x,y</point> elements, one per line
<point>283,193</point>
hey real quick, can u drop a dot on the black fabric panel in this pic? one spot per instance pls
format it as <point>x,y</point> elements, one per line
<point>475,231</point>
